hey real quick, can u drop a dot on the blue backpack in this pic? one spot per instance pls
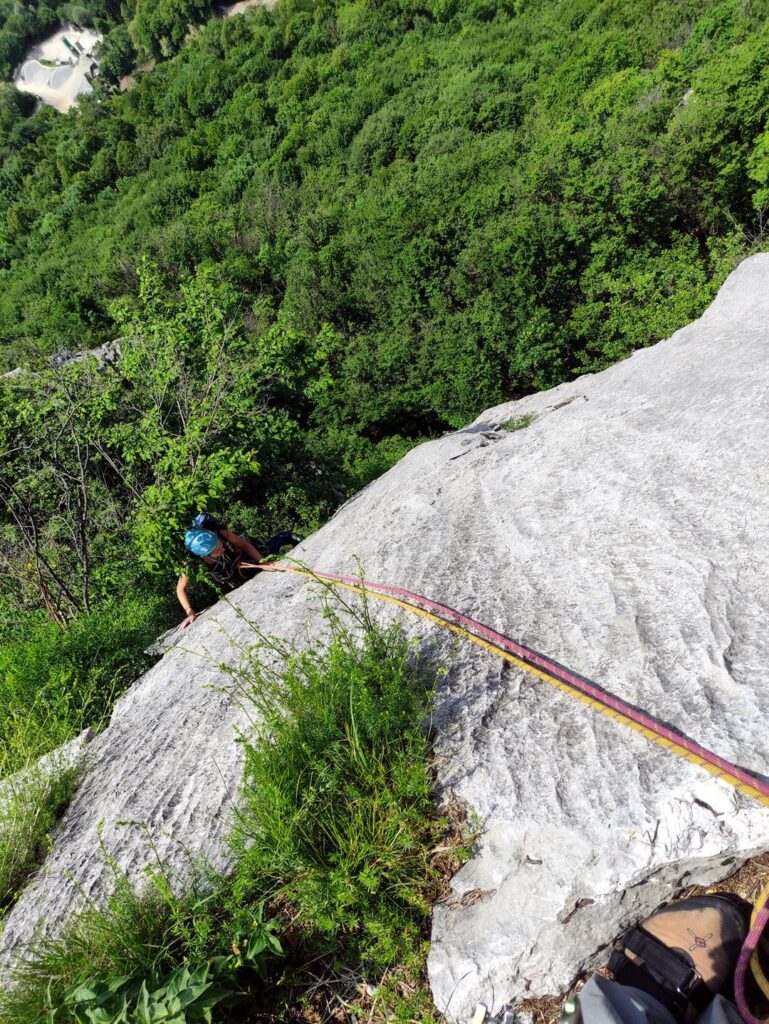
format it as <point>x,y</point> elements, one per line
<point>203,521</point>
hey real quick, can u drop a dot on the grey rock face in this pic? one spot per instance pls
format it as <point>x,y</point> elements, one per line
<point>105,355</point>
<point>625,533</point>
<point>47,768</point>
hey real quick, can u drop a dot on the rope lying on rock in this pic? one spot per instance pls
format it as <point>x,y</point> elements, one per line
<point>595,696</point>
<point>551,672</point>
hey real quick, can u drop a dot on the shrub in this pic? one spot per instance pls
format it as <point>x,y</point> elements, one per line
<point>337,821</point>
<point>143,955</point>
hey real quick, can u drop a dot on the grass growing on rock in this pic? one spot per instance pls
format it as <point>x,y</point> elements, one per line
<point>519,422</point>
<point>338,856</point>
<point>143,954</point>
<point>336,820</point>
<point>30,807</point>
<point>55,682</point>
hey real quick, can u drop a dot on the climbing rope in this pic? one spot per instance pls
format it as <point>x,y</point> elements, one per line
<point>551,672</point>
<point>749,958</point>
<point>576,686</point>
<point>762,904</point>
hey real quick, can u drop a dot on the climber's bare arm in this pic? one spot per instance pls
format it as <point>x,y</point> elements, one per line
<point>242,543</point>
<point>184,601</point>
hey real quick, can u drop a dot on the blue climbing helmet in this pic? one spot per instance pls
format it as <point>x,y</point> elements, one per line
<point>202,536</point>
<point>200,542</point>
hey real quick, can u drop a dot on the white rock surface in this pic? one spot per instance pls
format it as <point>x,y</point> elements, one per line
<point>242,6</point>
<point>57,69</point>
<point>625,533</point>
<point>55,49</point>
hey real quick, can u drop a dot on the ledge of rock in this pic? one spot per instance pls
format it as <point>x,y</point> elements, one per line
<point>624,533</point>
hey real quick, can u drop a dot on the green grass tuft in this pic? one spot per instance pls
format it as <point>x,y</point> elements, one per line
<point>337,822</point>
<point>177,956</point>
<point>30,807</point>
<point>520,422</point>
<point>54,683</point>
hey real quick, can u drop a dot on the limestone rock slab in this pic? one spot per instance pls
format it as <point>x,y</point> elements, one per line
<point>624,532</point>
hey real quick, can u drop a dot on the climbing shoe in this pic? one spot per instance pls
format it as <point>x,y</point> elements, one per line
<point>281,540</point>
<point>684,954</point>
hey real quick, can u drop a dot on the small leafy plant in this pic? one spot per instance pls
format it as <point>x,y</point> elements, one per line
<point>186,995</point>
<point>337,822</point>
<point>519,422</point>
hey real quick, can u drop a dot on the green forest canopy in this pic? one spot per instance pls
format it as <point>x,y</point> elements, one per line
<point>478,201</point>
<point>354,225</point>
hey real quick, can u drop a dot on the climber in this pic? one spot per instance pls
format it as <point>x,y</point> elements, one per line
<point>675,968</point>
<point>229,559</point>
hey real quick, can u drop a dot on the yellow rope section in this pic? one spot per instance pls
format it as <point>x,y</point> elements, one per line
<point>654,737</point>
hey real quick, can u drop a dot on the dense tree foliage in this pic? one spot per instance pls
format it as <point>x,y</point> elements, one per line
<point>105,463</point>
<point>328,230</point>
<point>478,201</point>
<point>158,27</point>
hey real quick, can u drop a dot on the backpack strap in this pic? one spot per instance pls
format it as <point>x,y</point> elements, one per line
<point>664,973</point>
<point>204,521</point>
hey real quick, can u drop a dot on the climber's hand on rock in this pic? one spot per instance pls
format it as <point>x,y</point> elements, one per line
<point>189,620</point>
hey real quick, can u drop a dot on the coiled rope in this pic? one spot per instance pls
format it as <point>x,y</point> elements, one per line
<point>749,958</point>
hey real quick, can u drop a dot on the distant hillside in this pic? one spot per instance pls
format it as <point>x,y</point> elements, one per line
<point>479,198</point>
